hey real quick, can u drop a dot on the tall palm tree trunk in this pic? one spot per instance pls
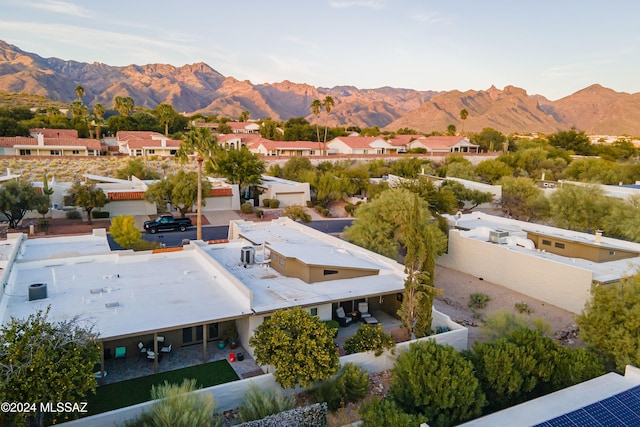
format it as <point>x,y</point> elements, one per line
<point>199,207</point>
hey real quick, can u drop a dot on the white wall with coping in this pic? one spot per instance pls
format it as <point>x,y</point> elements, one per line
<point>561,284</point>
<point>230,395</point>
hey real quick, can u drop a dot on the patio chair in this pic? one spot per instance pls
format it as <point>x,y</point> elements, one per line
<point>121,353</point>
<point>150,355</point>
<point>166,349</point>
<point>161,340</point>
<point>363,309</point>
<point>343,319</point>
<point>142,348</point>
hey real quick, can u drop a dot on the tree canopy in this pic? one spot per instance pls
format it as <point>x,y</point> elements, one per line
<point>298,345</point>
<point>239,166</point>
<point>17,198</point>
<point>179,189</point>
<point>87,196</point>
<point>437,382</point>
<point>45,361</point>
<point>610,323</point>
<point>381,225</point>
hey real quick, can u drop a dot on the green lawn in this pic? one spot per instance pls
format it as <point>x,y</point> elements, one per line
<point>138,390</point>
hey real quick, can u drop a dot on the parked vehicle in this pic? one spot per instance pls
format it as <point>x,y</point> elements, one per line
<point>167,223</point>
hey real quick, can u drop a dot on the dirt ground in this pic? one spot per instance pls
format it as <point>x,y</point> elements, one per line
<point>456,288</point>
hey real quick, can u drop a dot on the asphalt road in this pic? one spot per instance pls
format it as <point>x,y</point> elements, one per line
<point>210,232</point>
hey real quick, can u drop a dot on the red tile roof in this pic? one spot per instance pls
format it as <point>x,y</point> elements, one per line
<point>125,195</point>
<point>402,140</point>
<point>438,141</point>
<point>221,192</point>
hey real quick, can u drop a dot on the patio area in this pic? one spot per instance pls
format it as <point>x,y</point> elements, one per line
<point>389,324</point>
<point>134,367</point>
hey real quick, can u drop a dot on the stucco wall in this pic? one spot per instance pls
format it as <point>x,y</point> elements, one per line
<point>561,284</point>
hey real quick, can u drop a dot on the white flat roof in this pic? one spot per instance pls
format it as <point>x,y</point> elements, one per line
<point>479,223</point>
<point>559,403</point>
<point>152,291</point>
<point>161,291</point>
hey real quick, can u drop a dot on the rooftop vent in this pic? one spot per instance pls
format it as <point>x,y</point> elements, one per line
<point>37,291</point>
<point>247,255</point>
<point>498,236</point>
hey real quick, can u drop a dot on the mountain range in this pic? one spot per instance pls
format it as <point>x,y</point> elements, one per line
<point>198,88</point>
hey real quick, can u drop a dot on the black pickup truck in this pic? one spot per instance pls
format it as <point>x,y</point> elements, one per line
<point>167,223</point>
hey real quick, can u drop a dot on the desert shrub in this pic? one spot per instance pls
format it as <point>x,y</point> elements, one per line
<point>356,382</point>
<point>323,211</point>
<point>442,329</point>
<point>385,413</point>
<point>144,245</point>
<point>177,406</point>
<point>350,209</point>
<point>43,225</point>
<point>259,213</point>
<point>265,202</point>
<point>297,213</point>
<point>99,214</point>
<point>369,338</point>
<point>437,382</point>
<point>523,307</point>
<point>478,300</point>
<point>274,203</point>
<point>333,326</point>
<point>73,214</point>
<point>332,392</point>
<point>350,384</point>
<point>260,403</point>
<point>246,208</point>
<point>501,323</point>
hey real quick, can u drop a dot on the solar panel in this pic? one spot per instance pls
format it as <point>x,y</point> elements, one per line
<point>622,409</point>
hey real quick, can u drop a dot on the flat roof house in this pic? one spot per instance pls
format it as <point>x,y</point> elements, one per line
<point>551,264</point>
<point>190,295</point>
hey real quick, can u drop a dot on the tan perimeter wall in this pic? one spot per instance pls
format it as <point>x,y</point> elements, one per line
<point>562,285</point>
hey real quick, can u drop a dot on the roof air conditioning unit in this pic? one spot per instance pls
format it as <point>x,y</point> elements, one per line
<point>37,291</point>
<point>498,236</point>
<point>247,255</point>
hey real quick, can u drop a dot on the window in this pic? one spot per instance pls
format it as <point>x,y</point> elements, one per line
<point>329,272</point>
<point>314,311</point>
<point>151,152</point>
<point>173,152</point>
<point>559,245</point>
<point>265,318</point>
<point>281,261</point>
<point>75,151</point>
<point>55,152</point>
<point>187,335</point>
<point>25,152</point>
<point>612,253</point>
<point>199,333</point>
<point>213,330</point>
<point>546,242</point>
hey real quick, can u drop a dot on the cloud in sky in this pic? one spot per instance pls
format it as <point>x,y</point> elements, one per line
<point>371,4</point>
<point>62,7</point>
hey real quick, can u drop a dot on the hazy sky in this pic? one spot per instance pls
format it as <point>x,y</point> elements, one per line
<point>548,47</point>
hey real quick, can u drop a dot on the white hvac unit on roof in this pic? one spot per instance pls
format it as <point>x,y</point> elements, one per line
<point>498,236</point>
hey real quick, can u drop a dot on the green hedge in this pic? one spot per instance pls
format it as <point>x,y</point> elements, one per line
<point>74,214</point>
<point>99,214</point>
<point>274,203</point>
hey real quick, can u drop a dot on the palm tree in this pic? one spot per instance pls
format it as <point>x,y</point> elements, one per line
<point>165,114</point>
<point>79,92</point>
<point>98,111</point>
<point>316,106</point>
<point>124,105</point>
<point>203,143</point>
<point>463,115</point>
<point>328,103</point>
